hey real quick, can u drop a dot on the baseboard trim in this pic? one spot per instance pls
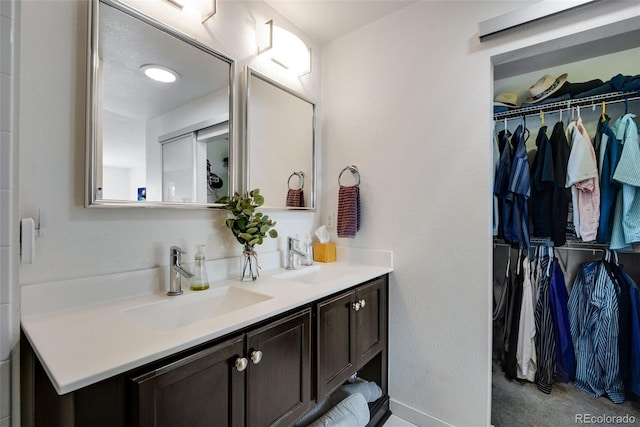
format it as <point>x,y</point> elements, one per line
<point>415,416</point>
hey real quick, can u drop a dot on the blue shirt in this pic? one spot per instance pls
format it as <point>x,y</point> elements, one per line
<point>609,151</point>
<point>520,187</point>
<point>629,305</point>
<point>501,186</point>
<point>604,303</point>
<point>626,226</point>
<point>635,339</point>
<point>558,299</point>
<point>582,325</point>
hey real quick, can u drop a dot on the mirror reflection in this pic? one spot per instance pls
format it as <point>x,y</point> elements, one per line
<point>280,144</point>
<point>160,130</point>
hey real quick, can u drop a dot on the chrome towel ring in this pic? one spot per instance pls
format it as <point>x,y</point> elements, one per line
<point>354,170</point>
<point>299,175</point>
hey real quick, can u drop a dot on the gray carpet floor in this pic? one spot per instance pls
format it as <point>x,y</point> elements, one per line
<point>520,403</point>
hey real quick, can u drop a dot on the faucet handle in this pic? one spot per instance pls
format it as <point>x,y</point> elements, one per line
<point>177,250</point>
<point>174,255</point>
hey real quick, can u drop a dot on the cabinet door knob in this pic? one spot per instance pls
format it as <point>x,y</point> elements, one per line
<point>356,306</point>
<point>362,303</point>
<point>256,356</point>
<point>241,363</point>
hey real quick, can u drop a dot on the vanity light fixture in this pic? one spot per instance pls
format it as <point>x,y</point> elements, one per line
<point>284,48</point>
<point>206,8</point>
<point>159,73</point>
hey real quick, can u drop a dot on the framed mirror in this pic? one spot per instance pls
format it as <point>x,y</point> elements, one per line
<point>279,144</point>
<point>160,116</point>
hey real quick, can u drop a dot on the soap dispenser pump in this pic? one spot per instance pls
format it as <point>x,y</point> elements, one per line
<point>200,281</point>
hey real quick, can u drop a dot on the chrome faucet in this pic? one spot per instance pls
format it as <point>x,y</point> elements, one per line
<point>290,252</point>
<point>176,271</point>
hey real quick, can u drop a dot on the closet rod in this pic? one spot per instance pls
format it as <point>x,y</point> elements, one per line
<point>563,105</point>
<point>569,246</point>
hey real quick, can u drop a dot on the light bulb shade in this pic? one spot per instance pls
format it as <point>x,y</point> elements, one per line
<point>284,48</point>
<point>206,8</point>
<point>159,73</point>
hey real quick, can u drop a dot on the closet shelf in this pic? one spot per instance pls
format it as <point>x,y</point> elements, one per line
<point>562,105</point>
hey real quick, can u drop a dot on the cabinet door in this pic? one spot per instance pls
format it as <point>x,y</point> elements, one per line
<point>204,389</point>
<point>279,372</point>
<point>336,349</point>
<point>371,320</point>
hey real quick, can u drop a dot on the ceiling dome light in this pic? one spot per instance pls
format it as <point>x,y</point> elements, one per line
<point>160,73</point>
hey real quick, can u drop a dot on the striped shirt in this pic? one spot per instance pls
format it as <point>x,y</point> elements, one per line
<point>626,227</point>
<point>594,317</point>
<point>545,339</point>
<point>634,351</point>
<point>605,300</point>
<point>582,324</point>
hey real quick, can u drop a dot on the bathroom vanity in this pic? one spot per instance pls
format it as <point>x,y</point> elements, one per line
<point>263,363</point>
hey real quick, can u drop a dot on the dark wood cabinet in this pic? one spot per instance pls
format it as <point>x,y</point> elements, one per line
<point>351,330</point>
<point>203,389</point>
<point>371,320</point>
<point>258,376</point>
<point>336,342</point>
<point>279,372</point>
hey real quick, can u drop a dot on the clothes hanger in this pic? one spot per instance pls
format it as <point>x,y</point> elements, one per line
<point>525,131</point>
<point>519,258</point>
<point>573,117</point>
<point>550,251</point>
<point>626,105</point>
<point>604,109</point>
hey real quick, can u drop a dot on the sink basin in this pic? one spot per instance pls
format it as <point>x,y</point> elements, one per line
<point>187,309</point>
<point>316,274</point>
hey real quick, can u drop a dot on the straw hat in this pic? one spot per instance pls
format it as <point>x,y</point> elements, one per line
<point>506,99</point>
<point>545,87</point>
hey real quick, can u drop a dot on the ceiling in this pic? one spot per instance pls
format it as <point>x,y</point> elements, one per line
<point>126,43</point>
<point>326,20</point>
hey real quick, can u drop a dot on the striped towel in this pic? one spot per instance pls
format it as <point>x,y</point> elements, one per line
<point>348,211</point>
<point>295,198</point>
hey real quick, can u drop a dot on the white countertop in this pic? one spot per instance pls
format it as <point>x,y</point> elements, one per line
<point>81,332</point>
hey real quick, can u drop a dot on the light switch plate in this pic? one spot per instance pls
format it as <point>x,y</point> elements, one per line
<point>28,240</point>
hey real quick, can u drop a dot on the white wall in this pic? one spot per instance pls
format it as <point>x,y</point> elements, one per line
<point>213,108</point>
<point>408,100</point>
<point>83,242</point>
<point>9,297</point>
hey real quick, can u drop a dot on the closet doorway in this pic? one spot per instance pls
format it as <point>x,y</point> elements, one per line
<point>520,402</point>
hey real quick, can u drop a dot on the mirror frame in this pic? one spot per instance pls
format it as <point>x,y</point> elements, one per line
<point>249,73</point>
<point>94,129</point>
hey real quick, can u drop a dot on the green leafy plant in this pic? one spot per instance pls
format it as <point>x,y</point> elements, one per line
<point>248,226</point>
